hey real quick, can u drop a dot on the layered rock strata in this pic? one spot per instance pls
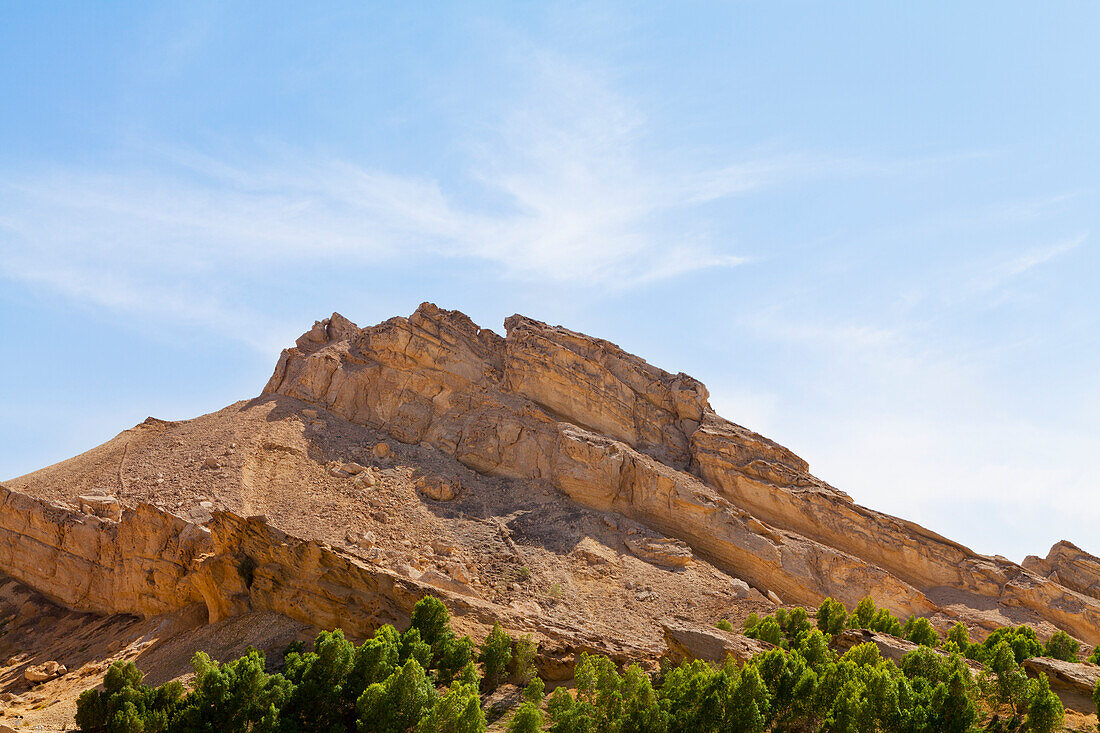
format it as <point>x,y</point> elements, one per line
<point>1068,565</point>
<point>151,562</point>
<point>617,434</point>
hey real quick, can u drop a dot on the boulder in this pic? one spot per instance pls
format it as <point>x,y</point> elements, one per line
<point>44,672</point>
<point>437,488</point>
<point>101,505</point>
<point>661,551</point>
<point>686,641</point>
<point>890,647</point>
<point>1073,682</point>
<point>595,553</point>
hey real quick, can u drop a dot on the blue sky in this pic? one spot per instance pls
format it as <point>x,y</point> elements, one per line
<point>870,228</point>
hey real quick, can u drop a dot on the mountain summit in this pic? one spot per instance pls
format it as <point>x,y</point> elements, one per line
<point>544,478</point>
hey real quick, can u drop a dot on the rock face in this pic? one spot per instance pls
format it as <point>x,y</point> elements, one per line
<point>687,641</point>
<point>152,562</point>
<point>428,455</point>
<point>1069,565</point>
<point>617,434</point>
<point>1073,682</point>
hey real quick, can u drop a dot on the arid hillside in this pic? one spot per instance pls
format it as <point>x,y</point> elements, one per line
<point>543,478</point>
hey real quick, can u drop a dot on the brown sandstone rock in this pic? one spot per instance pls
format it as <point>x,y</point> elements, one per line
<point>1073,682</point>
<point>44,672</point>
<point>437,488</point>
<point>1069,565</point>
<point>100,505</point>
<point>687,641</point>
<point>660,550</point>
<point>890,647</point>
<point>617,434</point>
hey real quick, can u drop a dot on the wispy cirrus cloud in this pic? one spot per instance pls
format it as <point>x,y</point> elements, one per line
<point>563,190</point>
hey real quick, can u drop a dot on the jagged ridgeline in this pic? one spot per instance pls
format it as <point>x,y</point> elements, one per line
<point>543,479</point>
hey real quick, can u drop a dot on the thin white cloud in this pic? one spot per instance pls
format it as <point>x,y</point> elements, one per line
<point>578,199</point>
<point>578,204</point>
<point>1039,256</point>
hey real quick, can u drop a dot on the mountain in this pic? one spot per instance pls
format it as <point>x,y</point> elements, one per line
<point>544,478</point>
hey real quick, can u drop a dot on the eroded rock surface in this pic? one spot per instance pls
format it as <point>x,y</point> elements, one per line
<point>617,434</point>
<point>1069,565</point>
<point>687,641</point>
<point>1073,682</point>
<point>545,479</point>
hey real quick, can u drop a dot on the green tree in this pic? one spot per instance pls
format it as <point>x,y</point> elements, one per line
<point>569,715</point>
<point>432,619</point>
<point>527,719</point>
<point>457,711</point>
<point>960,635</point>
<point>1021,639</point>
<point>521,668</point>
<point>398,703</point>
<point>1008,685</point>
<point>535,691</point>
<point>831,616</point>
<point>885,622</point>
<point>863,614</point>
<point>952,709</point>
<point>1062,646</point>
<point>237,696</point>
<point>1045,713</point>
<point>496,652</point>
<point>317,700</point>
<point>919,631</point>
<point>454,654</point>
<point>125,705</point>
<point>767,630</point>
<point>413,646</point>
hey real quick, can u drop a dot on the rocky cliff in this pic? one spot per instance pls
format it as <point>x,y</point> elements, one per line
<point>543,478</point>
<point>615,433</point>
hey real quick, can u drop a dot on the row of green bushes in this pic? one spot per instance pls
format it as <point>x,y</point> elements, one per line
<point>832,618</point>
<point>425,679</point>
<point>428,679</point>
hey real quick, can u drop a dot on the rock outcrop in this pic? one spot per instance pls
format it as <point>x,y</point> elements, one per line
<point>152,562</point>
<point>686,641</point>
<point>1068,565</point>
<point>544,479</point>
<point>1073,682</point>
<point>617,434</point>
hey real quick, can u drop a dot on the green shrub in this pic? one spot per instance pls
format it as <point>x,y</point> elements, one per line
<point>125,705</point>
<point>237,695</point>
<point>960,635</point>
<point>919,631</point>
<point>495,655</point>
<point>1045,713</point>
<point>527,719</point>
<point>387,685</point>
<point>1062,646</point>
<point>457,711</point>
<point>535,691</point>
<point>725,625</point>
<point>521,668</point>
<point>1021,639</point>
<point>397,704</point>
<point>831,616</point>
